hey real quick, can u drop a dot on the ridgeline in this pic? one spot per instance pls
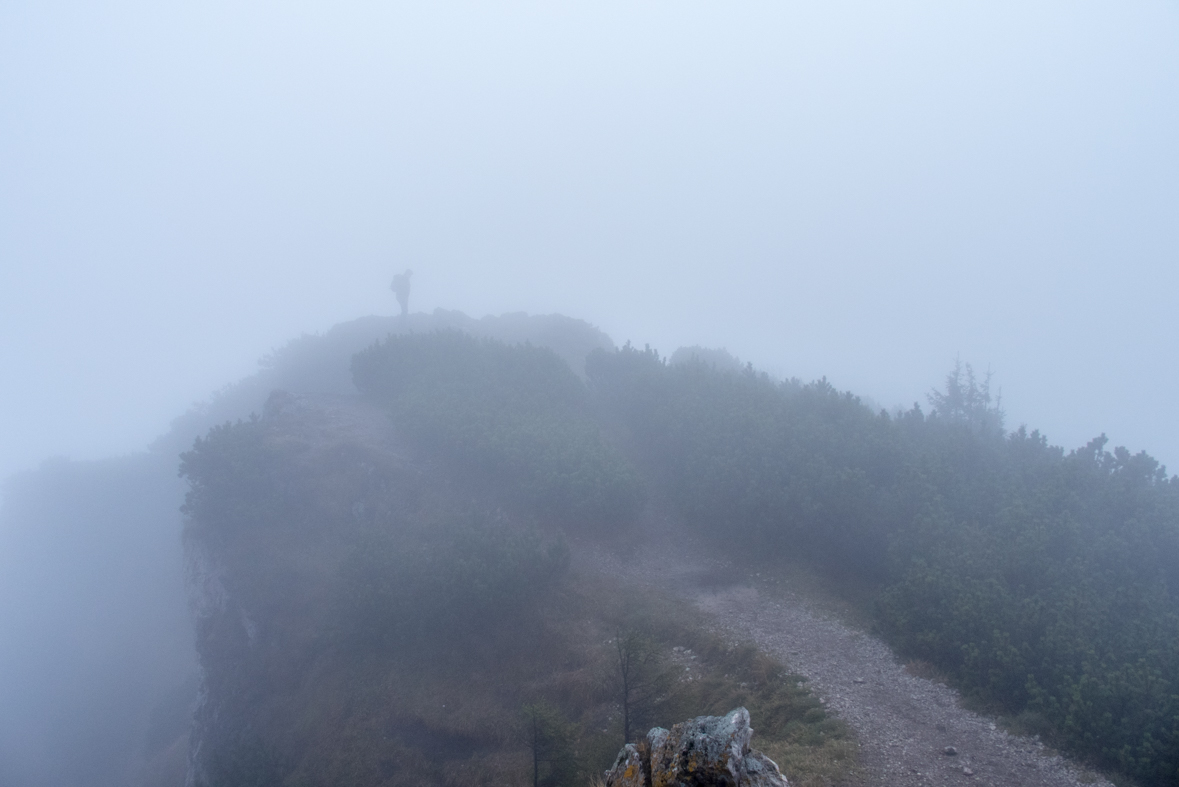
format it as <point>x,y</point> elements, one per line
<point>384,574</point>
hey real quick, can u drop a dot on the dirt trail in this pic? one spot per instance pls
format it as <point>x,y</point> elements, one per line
<point>905,725</point>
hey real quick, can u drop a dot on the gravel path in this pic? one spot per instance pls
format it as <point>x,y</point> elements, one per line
<point>905,725</point>
<point>912,732</point>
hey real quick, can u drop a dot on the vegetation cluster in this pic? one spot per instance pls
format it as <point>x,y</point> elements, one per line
<point>377,618</point>
<point>1044,583</point>
<point>515,414</point>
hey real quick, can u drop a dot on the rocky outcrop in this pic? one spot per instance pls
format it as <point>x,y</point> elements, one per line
<point>708,751</point>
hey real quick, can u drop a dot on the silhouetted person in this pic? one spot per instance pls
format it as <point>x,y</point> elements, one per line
<point>400,287</point>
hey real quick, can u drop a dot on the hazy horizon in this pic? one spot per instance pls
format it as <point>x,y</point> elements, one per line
<point>850,190</point>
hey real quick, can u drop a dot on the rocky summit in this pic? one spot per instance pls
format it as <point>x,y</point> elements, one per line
<point>708,751</point>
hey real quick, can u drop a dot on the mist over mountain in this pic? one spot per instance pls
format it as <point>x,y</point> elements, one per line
<point>882,297</point>
<point>94,614</point>
<point>92,595</point>
<point>851,190</point>
<point>395,486</point>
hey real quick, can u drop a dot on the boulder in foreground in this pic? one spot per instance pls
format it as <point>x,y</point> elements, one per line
<point>708,751</point>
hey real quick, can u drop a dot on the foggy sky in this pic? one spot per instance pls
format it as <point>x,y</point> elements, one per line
<point>860,190</point>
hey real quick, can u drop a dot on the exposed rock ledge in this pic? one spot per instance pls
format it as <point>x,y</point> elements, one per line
<point>708,751</point>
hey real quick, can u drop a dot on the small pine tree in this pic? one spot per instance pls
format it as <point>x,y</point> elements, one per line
<point>968,401</point>
<point>641,678</point>
<point>550,740</point>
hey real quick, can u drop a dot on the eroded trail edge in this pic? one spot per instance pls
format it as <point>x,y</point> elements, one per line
<point>912,731</point>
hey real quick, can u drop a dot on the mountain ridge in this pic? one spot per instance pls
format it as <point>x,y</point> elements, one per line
<point>971,541</point>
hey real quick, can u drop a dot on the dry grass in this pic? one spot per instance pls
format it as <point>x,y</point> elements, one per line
<point>831,763</point>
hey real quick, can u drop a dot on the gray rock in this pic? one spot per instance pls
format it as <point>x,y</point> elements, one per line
<point>656,738</point>
<point>761,771</point>
<point>708,751</point>
<point>629,767</point>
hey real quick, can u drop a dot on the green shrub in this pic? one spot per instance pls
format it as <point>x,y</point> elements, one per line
<point>446,584</point>
<point>549,739</point>
<point>785,465</point>
<point>229,472</point>
<point>1043,583</point>
<point>516,414</point>
<point>247,762</point>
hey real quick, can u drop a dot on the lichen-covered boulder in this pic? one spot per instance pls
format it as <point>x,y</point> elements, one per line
<point>708,751</point>
<point>630,767</point>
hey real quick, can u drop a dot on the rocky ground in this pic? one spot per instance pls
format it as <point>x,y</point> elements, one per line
<point>912,731</point>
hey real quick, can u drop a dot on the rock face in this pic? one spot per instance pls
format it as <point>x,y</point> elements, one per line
<point>708,751</point>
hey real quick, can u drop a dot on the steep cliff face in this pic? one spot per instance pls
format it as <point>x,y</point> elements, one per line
<point>339,589</point>
<point>265,529</point>
<point>212,610</point>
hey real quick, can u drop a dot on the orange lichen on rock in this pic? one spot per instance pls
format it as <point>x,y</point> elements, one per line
<point>708,751</point>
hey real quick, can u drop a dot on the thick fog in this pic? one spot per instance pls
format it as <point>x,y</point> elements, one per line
<point>858,190</point>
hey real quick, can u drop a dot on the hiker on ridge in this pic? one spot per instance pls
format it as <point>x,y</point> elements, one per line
<point>400,287</point>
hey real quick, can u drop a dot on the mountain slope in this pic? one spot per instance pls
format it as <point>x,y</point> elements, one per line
<point>345,547</point>
<point>97,633</point>
<point>367,613</point>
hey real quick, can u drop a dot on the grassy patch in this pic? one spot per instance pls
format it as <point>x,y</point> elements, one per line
<point>703,674</point>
